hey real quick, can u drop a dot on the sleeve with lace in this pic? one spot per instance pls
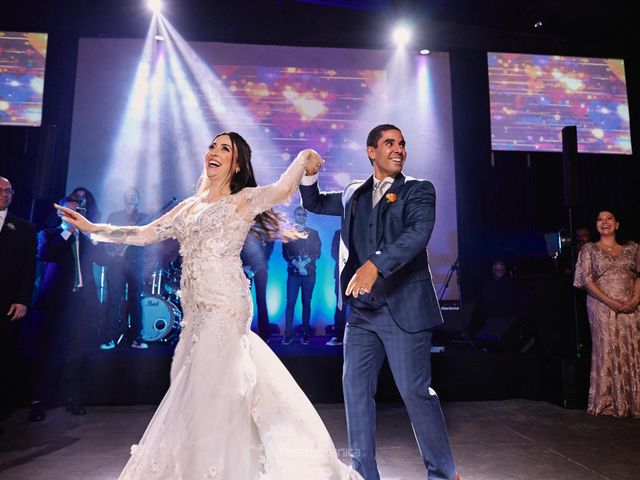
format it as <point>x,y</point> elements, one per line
<point>584,268</point>
<point>156,231</point>
<point>254,201</point>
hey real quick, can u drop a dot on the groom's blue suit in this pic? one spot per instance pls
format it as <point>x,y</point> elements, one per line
<point>394,319</point>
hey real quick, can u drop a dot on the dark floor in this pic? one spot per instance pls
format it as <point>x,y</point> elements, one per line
<point>492,440</point>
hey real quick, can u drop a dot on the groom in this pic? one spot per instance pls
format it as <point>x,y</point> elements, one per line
<point>387,221</point>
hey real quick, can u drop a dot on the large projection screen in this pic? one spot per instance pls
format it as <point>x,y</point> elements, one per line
<point>532,97</point>
<point>144,115</point>
<point>22,63</point>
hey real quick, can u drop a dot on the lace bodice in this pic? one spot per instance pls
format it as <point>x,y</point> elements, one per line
<point>210,229</point>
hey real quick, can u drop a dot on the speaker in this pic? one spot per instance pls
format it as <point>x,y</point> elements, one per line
<point>504,334</point>
<point>570,165</point>
<point>453,328</point>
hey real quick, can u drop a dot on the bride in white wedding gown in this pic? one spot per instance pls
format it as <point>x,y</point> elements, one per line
<point>232,412</point>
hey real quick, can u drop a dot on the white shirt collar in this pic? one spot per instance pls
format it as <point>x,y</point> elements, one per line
<point>388,180</point>
<point>3,217</point>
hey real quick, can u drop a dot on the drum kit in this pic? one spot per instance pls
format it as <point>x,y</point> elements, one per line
<point>161,311</point>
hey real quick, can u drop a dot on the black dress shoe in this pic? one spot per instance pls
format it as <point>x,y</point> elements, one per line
<point>37,412</point>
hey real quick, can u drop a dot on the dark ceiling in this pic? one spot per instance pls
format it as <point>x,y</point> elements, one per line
<point>587,27</point>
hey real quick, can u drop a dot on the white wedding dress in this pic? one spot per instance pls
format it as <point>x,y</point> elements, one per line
<point>232,412</point>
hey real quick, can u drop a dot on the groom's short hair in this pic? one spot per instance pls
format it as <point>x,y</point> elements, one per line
<point>376,133</point>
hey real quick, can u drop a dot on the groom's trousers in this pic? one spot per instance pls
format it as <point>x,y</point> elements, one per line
<point>370,335</point>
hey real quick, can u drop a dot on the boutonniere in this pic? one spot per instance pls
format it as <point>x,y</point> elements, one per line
<point>391,197</point>
<point>10,226</point>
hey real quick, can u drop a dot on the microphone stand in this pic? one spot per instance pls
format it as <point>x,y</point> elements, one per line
<point>452,269</point>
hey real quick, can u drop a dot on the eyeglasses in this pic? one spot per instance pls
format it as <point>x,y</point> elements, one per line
<point>8,191</point>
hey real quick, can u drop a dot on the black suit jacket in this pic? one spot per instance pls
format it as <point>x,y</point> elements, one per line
<point>17,262</point>
<point>56,286</point>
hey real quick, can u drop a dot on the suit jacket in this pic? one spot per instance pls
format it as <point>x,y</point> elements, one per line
<point>309,247</point>
<point>406,221</point>
<point>56,286</point>
<point>17,262</point>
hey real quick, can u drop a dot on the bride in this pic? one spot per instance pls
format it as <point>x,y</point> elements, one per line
<point>232,412</point>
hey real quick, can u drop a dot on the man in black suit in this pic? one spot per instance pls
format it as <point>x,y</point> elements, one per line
<point>301,255</point>
<point>340,314</point>
<point>67,302</point>
<point>17,274</point>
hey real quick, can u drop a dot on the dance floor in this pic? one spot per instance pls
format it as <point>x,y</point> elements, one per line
<point>491,440</point>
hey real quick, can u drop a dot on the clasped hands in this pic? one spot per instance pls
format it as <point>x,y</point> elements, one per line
<point>624,307</point>
<point>363,280</point>
<point>314,161</point>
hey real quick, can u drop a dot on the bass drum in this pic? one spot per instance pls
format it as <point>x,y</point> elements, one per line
<point>160,319</point>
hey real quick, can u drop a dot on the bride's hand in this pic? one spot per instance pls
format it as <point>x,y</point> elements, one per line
<point>314,161</point>
<point>74,218</point>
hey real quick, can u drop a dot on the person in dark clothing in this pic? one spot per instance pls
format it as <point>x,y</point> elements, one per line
<point>17,274</point>
<point>125,272</point>
<point>339,315</point>
<point>255,256</point>
<point>301,255</point>
<point>66,302</point>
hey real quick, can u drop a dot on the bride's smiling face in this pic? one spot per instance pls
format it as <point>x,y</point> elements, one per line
<point>220,159</point>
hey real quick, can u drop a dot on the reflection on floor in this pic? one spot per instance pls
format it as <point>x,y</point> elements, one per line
<point>492,440</point>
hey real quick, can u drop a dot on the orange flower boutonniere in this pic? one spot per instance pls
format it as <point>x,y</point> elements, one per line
<point>391,197</point>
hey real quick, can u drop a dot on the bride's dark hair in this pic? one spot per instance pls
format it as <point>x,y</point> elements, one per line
<point>267,225</point>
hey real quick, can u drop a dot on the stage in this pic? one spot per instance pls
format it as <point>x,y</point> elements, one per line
<point>491,440</point>
<point>125,376</point>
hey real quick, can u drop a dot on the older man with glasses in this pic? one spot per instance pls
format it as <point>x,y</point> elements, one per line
<point>17,274</point>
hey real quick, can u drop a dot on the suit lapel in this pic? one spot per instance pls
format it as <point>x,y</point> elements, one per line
<point>352,203</point>
<point>4,232</point>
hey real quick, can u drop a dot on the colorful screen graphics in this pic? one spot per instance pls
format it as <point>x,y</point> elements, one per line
<point>532,97</point>
<point>22,65</point>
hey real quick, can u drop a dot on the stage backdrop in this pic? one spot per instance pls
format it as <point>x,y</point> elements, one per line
<point>145,112</point>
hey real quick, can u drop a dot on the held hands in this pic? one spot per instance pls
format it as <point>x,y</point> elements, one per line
<point>362,280</point>
<point>74,218</point>
<point>314,161</point>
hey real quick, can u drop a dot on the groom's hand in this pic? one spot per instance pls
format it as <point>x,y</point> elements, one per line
<point>314,163</point>
<point>362,280</point>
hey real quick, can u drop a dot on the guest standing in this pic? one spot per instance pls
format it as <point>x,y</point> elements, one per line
<point>608,270</point>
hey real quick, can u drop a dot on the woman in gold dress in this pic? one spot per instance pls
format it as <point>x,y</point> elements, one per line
<point>609,271</point>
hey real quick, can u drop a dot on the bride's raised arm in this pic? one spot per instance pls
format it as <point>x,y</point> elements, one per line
<point>156,231</point>
<point>256,200</point>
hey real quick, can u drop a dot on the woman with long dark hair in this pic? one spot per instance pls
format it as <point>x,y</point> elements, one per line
<point>232,410</point>
<point>609,271</point>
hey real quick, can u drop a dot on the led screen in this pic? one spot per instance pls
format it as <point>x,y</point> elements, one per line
<point>22,62</point>
<point>145,112</point>
<point>532,97</point>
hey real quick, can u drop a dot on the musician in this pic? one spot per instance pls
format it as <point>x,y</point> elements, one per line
<point>66,301</point>
<point>301,256</point>
<point>125,270</point>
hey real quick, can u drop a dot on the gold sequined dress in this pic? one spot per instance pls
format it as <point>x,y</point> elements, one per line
<point>615,359</point>
<point>232,412</point>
